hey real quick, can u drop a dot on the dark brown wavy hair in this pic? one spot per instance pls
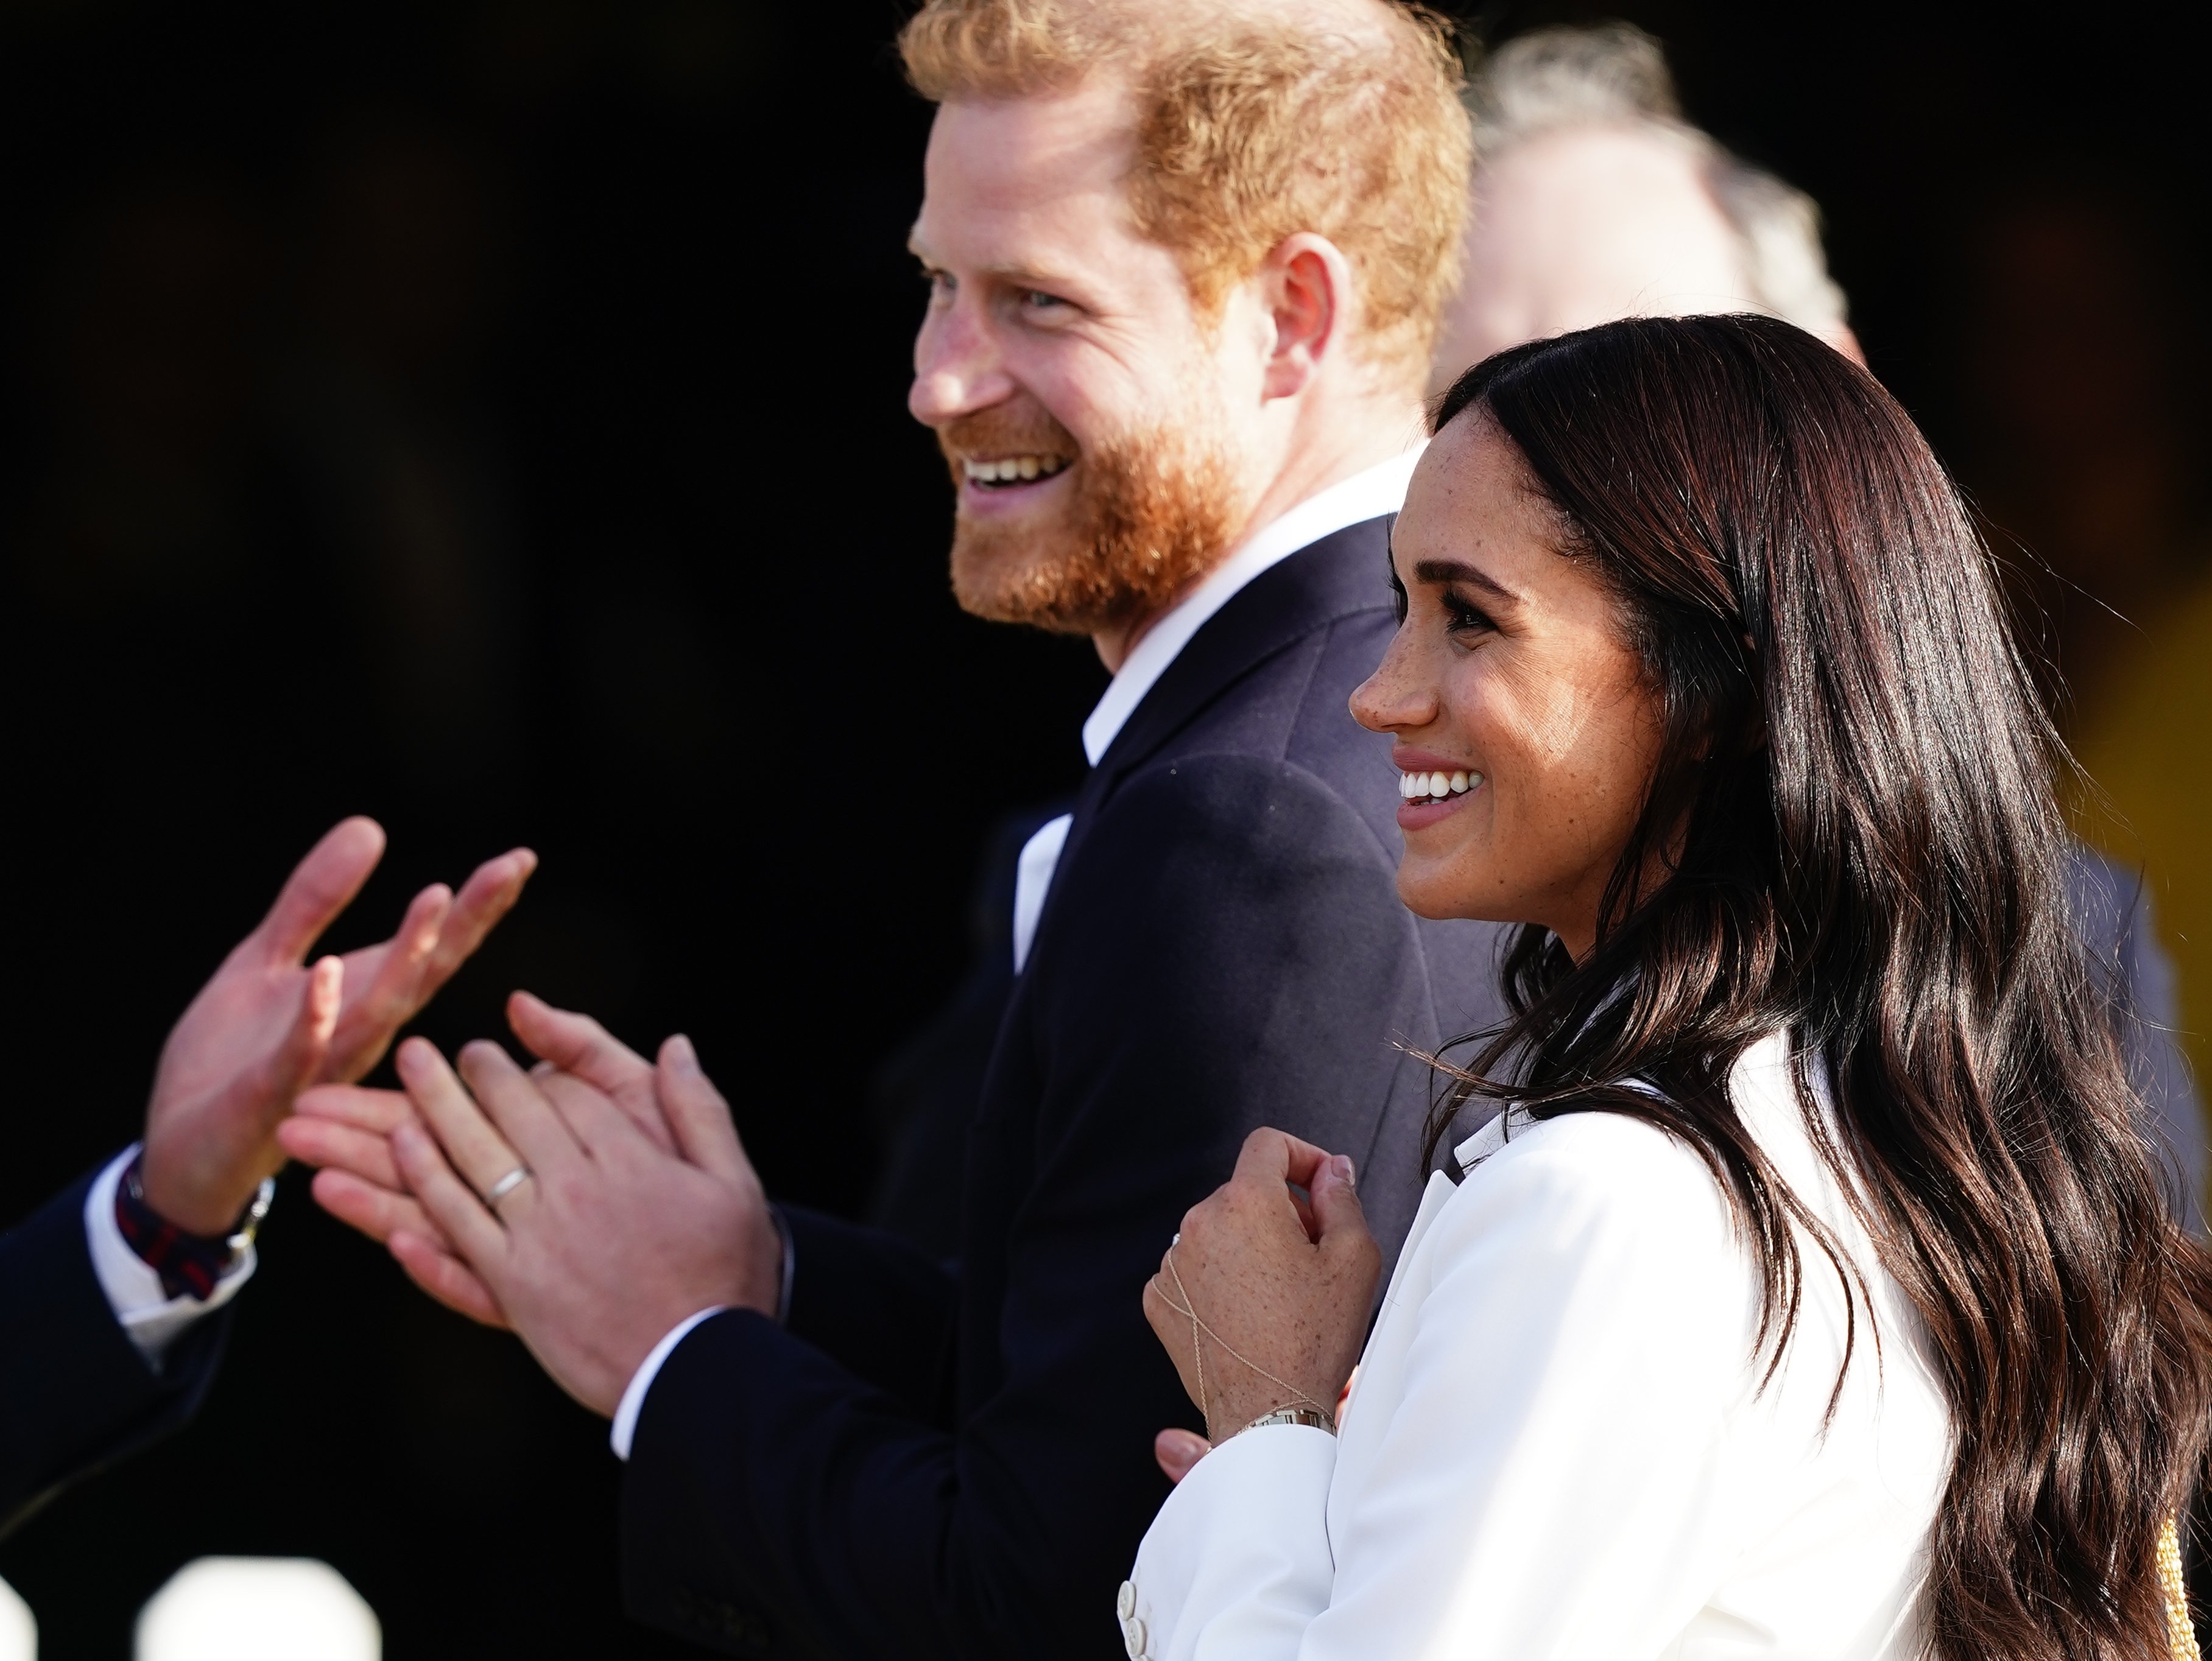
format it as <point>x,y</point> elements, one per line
<point>1857,838</point>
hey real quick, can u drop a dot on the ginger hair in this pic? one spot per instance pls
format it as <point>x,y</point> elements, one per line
<point>1253,121</point>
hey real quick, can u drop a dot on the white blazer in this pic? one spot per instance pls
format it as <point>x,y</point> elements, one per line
<point>1558,1447</point>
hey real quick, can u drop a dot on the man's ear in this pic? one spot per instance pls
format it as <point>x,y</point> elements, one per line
<point>1305,283</point>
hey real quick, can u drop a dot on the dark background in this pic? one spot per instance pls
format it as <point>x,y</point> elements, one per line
<point>489,416</point>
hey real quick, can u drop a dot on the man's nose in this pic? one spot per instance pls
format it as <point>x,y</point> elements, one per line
<point>957,369</point>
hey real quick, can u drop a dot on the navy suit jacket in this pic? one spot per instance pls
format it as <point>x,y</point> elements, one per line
<point>75,1393</point>
<point>926,1464</point>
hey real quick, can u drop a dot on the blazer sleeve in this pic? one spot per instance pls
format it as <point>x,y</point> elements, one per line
<point>1224,949</point>
<point>877,1305</point>
<point>1522,1504</point>
<point>75,1393</point>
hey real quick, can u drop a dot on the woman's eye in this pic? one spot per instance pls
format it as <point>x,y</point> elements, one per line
<point>1462,618</point>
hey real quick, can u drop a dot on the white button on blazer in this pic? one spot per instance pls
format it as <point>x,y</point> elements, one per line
<point>1561,1445</point>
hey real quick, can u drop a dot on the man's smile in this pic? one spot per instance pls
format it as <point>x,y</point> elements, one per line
<point>999,472</point>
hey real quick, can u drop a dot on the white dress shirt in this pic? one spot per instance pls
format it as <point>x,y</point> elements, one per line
<point>151,1319</point>
<point>1559,1445</point>
<point>1368,494</point>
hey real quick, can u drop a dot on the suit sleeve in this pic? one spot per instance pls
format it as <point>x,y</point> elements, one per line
<point>1224,948</point>
<point>74,1393</point>
<point>875,1305</point>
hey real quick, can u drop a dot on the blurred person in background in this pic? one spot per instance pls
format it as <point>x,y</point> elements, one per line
<point>113,1297</point>
<point>1176,367</point>
<point>2082,363</point>
<point>1593,200</point>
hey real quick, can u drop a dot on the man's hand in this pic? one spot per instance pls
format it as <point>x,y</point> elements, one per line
<point>610,1240</point>
<point>267,1026</point>
<point>346,1132</point>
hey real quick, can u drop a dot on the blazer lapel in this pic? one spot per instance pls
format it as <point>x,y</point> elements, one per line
<point>1341,574</point>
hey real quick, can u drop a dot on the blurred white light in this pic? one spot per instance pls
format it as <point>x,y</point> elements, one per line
<point>258,1608</point>
<point>19,1633</point>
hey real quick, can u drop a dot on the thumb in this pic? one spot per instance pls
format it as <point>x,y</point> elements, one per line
<point>697,1113</point>
<point>1178,1451</point>
<point>1337,1214</point>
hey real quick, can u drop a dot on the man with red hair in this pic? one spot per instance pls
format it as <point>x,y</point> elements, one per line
<point>1185,263</point>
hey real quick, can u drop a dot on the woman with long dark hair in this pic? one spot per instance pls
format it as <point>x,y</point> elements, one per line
<point>1810,1291</point>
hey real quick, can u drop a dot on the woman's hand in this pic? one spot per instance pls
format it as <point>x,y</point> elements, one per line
<point>1280,1285</point>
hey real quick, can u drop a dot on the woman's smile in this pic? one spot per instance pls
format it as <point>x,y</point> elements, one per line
<point>1434,787</point>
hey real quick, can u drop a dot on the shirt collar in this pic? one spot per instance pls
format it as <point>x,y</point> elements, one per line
<point>1365,496</point>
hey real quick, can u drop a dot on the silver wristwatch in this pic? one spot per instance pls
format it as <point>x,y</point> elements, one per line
<point>1295,1416</point>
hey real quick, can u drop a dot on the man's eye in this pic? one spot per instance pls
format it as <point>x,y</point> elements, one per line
<point>1036,299</point>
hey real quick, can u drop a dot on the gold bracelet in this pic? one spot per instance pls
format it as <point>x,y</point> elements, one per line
<point>1295,1416</point>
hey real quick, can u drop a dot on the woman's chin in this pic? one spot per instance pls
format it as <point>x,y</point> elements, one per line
<point>1440,895</point>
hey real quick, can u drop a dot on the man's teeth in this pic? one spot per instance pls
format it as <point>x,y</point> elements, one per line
<point>1434,787</point>
<point>1007,468</point>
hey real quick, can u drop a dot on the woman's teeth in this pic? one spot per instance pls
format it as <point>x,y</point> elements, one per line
<point>1013,469</point>
<point>1436,786</point>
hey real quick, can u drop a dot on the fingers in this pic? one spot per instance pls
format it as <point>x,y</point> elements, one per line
<point>328,1145</point>
<point>377,1010</point>
<point>591,1115</point>
<point>273,1084</point>
<point>320,887</point>
<point>518,1108</point>
<point>1275,1156</point>
<point>447,1279</point>
<point>380,1111</point>
<point>1178,1451</point>
<point>460,1217</point>
<point>376,1211</point>
<point>696,1112</point>
<point>488,895</point>
<point>469,1138</point>
<point>576,1043</point>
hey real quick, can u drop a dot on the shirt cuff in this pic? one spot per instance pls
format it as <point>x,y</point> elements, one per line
<point>150,1318</point>
<point>633,1397</point>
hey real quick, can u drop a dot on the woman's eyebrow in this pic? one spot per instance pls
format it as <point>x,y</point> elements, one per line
<point>1454,571</point>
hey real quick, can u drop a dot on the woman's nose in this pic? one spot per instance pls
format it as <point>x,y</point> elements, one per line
<point>1393,699</point>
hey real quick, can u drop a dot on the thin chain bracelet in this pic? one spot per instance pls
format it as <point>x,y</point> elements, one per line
<point>1197,1325</point>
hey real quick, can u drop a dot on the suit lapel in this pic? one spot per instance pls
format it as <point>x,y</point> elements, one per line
<point>1341,574</point>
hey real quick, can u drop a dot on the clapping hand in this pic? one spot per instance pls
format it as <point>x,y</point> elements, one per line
<point>639,1207</point>
<point>269,1024</point>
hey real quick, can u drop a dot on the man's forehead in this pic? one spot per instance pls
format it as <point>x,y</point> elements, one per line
<point>1010,180</point>
<point>1019,152</point>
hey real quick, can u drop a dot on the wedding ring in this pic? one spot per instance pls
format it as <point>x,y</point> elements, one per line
<point>507,1184</point>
